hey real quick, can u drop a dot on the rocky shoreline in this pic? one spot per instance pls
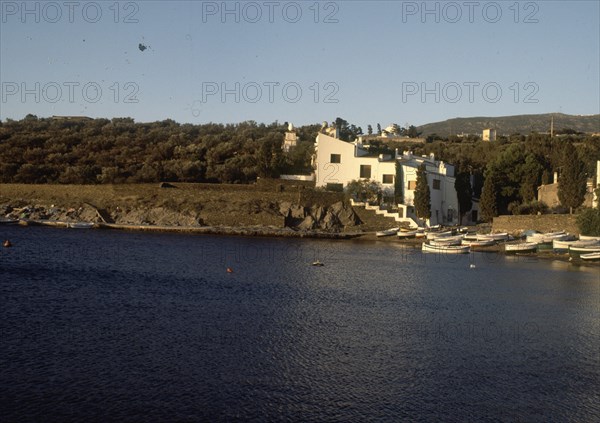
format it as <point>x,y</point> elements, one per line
<point>337,221</point>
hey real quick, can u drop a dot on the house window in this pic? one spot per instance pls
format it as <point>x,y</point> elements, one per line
<point>365,171</point>
<point>436,184</point>
<point>412,185</point>
<point>335,158</point>
<point>388,179</point>
<point>335,187</point>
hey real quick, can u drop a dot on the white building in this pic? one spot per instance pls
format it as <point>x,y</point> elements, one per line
<point>339,162</point>
<point>291,139</point>
<point>488,135</point>
<point>596,200</point>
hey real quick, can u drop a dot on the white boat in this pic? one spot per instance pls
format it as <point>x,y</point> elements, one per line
<point>559,245</point>
<point>406,235</point>
<point>576,249</point>
<point>447,249</point>
<point>589,238</point>
<point>81,225</point>
<point>476,243</point>
<point>446,240</point>
<point>496,237</point>
<point>6,221</point>
<point>590,256</point>
<point>387,232</point>
<point>520,247</point>
<point>548,238</point>
<point>433,235</point>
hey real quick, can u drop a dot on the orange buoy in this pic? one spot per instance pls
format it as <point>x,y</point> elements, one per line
<point>7,243</point>
<point>229,270</point>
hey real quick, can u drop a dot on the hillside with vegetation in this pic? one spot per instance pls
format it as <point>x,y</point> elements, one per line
<point>520,124</point>
<point>121,151</point>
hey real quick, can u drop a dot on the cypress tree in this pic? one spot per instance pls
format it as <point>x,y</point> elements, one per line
<point>422,194</point>
<point>572,181</point>
<point>489,207</point>
<point>462,185</point>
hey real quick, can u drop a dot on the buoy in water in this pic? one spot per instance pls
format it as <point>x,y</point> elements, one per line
<point>229,270</point>
<point>472,266</point>
<point>7,243</point>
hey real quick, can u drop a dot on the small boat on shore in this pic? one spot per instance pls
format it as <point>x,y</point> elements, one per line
<point>503,236</point>
<point>520,247</point>
<point>446,240</point>
<point>435,234</point>
<point>563,246</point>
<point>578,250</point>
<point>5,221</point>
<point>590,256</point>
<point>387,232</point>
<point>407,235</point>
<point>589,238</point>
<point>446,249</point>
<point>478,243</point>
<point>81,225</point>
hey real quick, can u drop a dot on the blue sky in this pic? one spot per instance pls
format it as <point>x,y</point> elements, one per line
<point>303,62</point>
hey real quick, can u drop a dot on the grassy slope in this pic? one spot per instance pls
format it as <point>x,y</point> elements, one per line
<point>229,205</point>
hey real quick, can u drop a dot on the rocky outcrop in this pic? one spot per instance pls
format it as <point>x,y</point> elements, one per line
<point>334,218</point>
<point>337,217</point>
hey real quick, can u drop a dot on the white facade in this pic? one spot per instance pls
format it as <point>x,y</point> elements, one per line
<point>488,135</point>
<point>338,163</point>
<point>596,201</point>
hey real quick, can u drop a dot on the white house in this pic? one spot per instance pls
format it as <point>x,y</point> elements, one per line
<point>339,162</point>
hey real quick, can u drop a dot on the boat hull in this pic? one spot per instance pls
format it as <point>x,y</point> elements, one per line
<point>450,249</point>
<point>524,247</point>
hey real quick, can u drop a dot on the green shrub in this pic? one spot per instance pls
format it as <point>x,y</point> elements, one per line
<point>531,207</point>
<point>588,222</point>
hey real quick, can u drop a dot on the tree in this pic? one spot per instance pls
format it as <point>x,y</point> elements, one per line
<point>588,222</point>
<point>378,129</point>
<point>422,194</point>
<point>572,181</point>
<point>399,184</point>
<point>412,132</point>
<point>363,190</point>
<point>370,130</point>
<point>464,192</point>
<point>489,207</point>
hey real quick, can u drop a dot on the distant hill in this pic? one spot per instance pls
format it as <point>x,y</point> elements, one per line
<point>506,125</point>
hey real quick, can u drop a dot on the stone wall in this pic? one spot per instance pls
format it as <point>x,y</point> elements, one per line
<point>541,223</point>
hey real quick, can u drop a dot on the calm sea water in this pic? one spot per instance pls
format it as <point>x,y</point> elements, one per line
<point>113,326</point>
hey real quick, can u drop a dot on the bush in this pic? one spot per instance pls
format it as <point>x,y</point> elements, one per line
<point>588,222</point>
<point>532,207</point>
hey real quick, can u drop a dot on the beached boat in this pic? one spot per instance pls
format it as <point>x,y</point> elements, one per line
<point>589,238</point>
<point>548,238</point>
<point>577,249</point>
<point>520,247</point>
<point>558,245</point>
<point>407,235</point>
<point>446,249</point>
<point>590,256</point>
<point>81,225</point>
<point>446,240</point>
<point>5,221</point>
<point>496,237</point>
<point>476,243</point>
<point>436,234</point>
<point>387,232</point>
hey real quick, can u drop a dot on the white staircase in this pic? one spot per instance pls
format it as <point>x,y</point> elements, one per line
<point>383,212</point>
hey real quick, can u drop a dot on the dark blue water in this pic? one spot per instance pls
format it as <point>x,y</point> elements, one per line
<point>112,326</point>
